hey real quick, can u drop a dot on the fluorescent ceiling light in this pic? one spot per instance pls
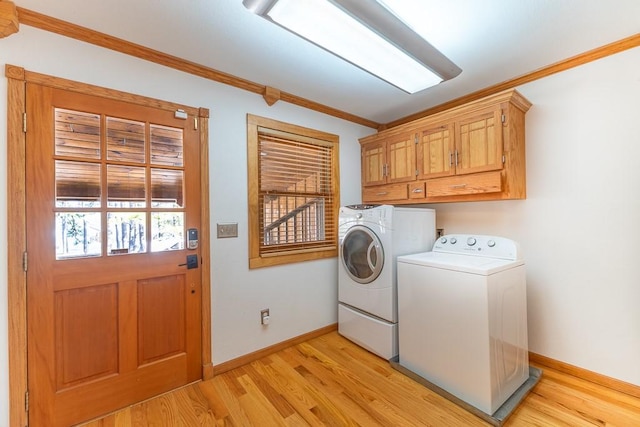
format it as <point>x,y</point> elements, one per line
<point>365,33</point>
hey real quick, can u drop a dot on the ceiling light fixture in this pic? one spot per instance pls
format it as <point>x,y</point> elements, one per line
<point>365,33</point>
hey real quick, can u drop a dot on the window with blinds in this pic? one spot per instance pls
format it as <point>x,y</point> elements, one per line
<point>293,193</point>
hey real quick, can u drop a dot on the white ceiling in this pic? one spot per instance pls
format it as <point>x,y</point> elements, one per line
<point>491,40</point>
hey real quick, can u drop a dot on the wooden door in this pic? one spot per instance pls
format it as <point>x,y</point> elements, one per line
<point>114,314</point>
<point>479,142</point>
<point>401,151</point>
<point>374,158</point>
<point>435,151</point>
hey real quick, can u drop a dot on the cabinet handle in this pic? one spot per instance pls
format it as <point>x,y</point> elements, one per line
<point>450,158</point>
<point>383,193</point>
<point>417,190</point>
<point>458,186</point>
<point>456,157</point>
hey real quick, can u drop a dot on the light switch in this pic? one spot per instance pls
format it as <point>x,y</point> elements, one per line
<point>227,229</point>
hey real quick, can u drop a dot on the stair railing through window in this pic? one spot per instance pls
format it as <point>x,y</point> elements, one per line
<point>302,224</point>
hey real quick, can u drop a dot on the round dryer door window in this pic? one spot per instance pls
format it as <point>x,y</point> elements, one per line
<point>362,254</point>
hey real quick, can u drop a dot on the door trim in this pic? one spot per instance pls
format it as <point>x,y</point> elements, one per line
<point>17,77</point>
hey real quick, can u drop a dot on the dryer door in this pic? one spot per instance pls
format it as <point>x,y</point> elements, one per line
<point>362,254</point>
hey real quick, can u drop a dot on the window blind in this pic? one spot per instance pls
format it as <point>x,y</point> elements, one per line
<point>296,193</point>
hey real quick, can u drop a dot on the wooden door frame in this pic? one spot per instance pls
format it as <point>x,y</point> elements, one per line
<point>17,77</point>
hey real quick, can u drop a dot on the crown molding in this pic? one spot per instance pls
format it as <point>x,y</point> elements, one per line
<point>77,32</point>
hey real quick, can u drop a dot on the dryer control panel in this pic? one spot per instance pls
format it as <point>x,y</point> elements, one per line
<point>374,215</point>
<point>478,245</point>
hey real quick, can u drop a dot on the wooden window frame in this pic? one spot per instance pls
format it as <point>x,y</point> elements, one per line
<point>256,258</point>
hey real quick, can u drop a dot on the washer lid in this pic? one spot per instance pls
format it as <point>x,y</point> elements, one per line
<point>464,263</point>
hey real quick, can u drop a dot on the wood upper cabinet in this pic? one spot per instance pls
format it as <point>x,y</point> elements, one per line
<point>479,142</point>
<point>435,151</point>
<point>390,159</point>
<point>470,144</point>
<point>374,161</point>
<point>471,152</point>
<point>401,154</point>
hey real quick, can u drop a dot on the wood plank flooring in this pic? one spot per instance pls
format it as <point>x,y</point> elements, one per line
<point>329,381</point>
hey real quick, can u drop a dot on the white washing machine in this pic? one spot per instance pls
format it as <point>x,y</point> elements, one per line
<point>371,237</point>
<point>463,318</point>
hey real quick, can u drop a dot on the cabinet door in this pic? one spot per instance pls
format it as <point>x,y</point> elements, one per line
<point>435,152</point>
<point>479,142</point>
<point>374,160</point>
<point>401,154</point>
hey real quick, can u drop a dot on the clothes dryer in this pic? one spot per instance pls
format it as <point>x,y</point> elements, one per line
<point>371,237</point>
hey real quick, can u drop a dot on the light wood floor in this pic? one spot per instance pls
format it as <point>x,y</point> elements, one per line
<point>330,381</point>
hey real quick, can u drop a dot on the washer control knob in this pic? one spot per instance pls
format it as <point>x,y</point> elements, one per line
<point>491,243</point>
<point>454,240</point>
<point>443,240</point>
<point>471,241</point>
<point>358,215</point>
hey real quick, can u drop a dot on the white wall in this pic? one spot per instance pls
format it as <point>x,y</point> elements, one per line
<point>579,227</point>
<point>302,297</point>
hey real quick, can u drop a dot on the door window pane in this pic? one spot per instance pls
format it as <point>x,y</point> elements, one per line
<point>78,234</point>
<point>126,187</point>
<point>137,165</point>
<point>125,140</point>
<point>167,188</point>
<point>77,134</point>
<point>166,146</point>
<point>77,184</point>
<point>126,233</point>
<point>167,231</point>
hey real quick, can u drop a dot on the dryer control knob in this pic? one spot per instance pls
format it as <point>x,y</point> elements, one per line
<point>471,241</point>
<point>443,240</point>
<point>491,243</point>
<point>454,240</point>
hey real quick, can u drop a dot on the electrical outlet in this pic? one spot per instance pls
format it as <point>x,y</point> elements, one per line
<point>439,232</point>
<point>264,316</point>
